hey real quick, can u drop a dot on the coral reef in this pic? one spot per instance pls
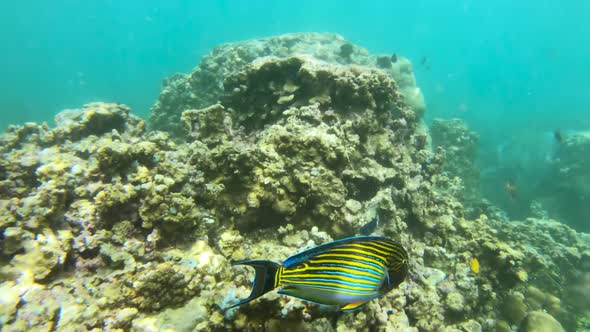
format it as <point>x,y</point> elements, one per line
<point>205,85</point>
<point>302,161</point>
<point>564,191</point>
<point>95,193</point>
<point>460,146</point>
<point>107,226</point>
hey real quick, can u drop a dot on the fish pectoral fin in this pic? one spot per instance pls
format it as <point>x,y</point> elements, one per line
<point>353,306</point>
<point>287,290</point>
<point>297,292</point>
<point>307,294</point>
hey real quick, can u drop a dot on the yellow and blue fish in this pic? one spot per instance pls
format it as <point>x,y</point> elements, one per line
<point>347,273</point>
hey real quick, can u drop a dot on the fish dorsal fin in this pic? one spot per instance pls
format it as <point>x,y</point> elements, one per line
<point>307,254</point>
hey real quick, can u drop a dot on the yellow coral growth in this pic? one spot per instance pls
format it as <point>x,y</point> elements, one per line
<point>522,275</point>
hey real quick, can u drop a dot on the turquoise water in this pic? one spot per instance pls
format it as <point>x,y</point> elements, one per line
<point>515,71</point>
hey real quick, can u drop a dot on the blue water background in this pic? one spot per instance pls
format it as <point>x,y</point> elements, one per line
<point>514,70</point>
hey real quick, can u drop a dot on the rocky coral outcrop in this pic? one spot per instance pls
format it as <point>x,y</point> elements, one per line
<point>307,158</point>
<point>539,321</point>
<point>92,194</point>
<point>564,192</point>
<point>205,85</point>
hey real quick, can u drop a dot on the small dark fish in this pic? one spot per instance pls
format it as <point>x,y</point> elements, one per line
<point>384,62</point>
<point>423,60</point>
<point>347,273</point>
<point>393,58</point>
<point>558,137</point>
<point>369,227</point>
<point>511,189</point>
<point>557,280</point>
<point>346,50</point>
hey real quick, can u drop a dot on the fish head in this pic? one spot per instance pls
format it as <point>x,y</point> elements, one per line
<point>396,267</point>
<point>396,273</point>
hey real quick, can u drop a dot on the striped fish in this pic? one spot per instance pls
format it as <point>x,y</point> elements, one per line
<point>347,273</point>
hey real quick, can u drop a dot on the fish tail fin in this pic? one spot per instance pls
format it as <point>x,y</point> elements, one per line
<point>266,277</point>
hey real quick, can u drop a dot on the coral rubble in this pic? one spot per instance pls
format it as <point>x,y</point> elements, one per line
<point>106,225</point>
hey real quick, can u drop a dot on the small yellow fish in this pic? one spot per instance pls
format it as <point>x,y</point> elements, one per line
<point>474,264</point>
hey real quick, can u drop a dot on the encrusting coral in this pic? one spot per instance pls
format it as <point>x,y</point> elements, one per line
<point>108,226</point>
